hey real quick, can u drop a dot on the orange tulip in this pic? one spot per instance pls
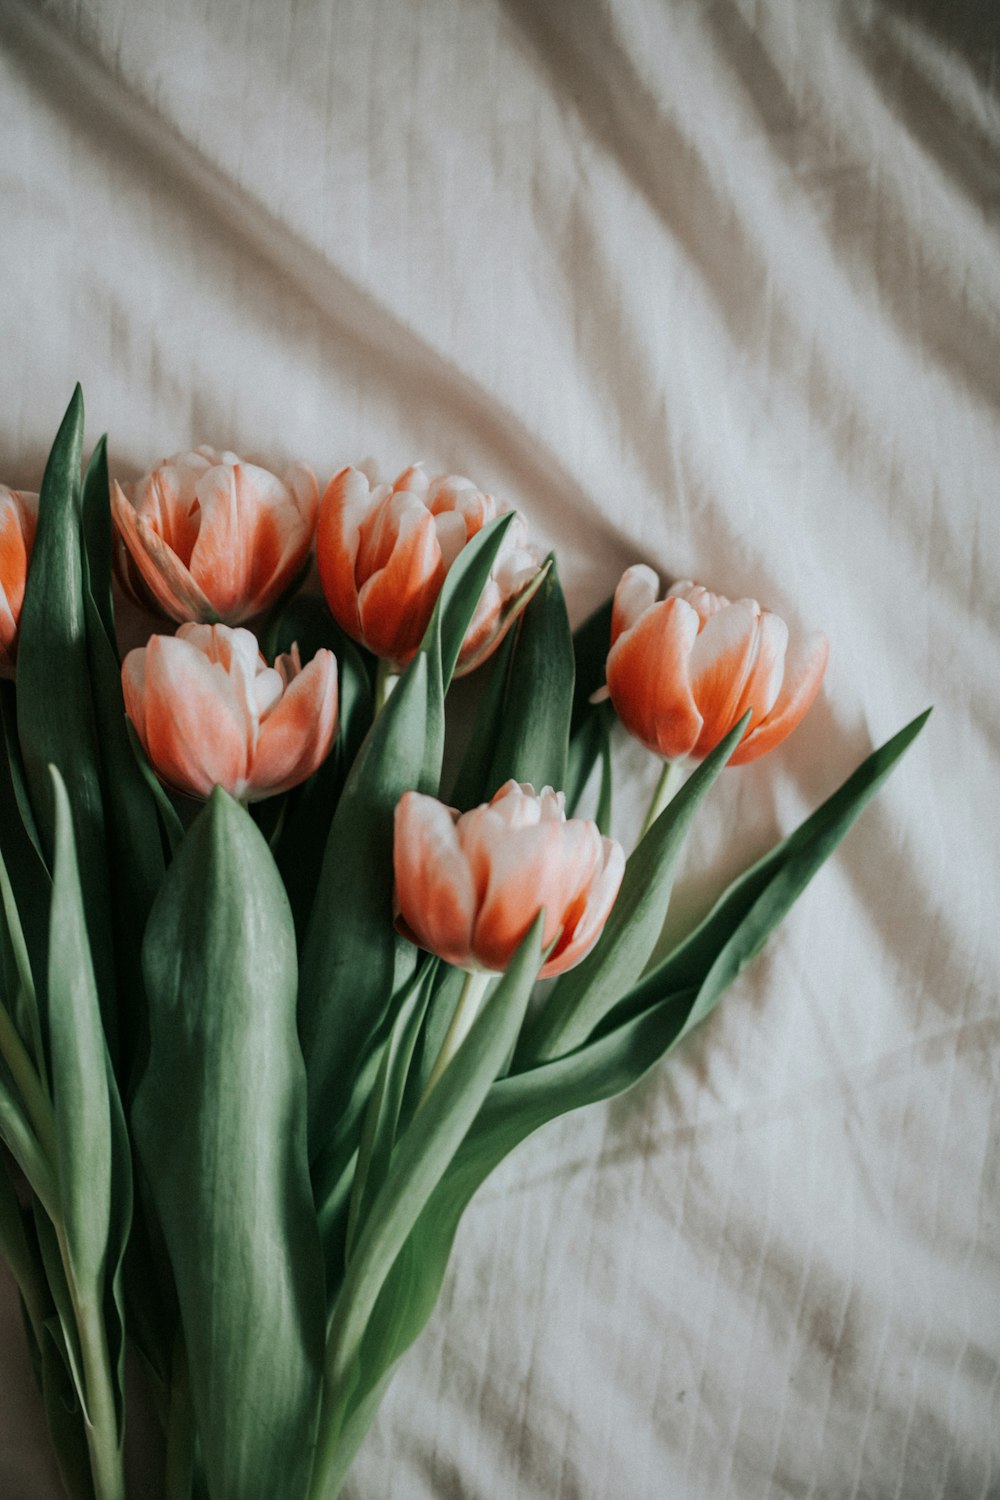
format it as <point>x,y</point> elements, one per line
<point>207,537</point>
<point>18,516</point>
<point>469,886</point>
<point>384,549</point>
<point>683,671</point>
<point>210,712</point>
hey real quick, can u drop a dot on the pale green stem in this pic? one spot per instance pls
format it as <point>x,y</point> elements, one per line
<point>466,1011</point>
<point>385,680</point>
<point>106,1462</point>
<point>670,782</point>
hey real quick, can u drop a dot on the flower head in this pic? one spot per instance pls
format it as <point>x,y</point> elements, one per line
<point>208,537</point>
<point>683,671</point>
<point>469,885</point>
<point>384,549</point>
<point>18,517</point>
<point>210,712</point>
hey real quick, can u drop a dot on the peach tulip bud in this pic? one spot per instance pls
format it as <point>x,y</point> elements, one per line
<point>207,537</point>
<point>469,885</point>
<point>384,549</point>
<point>18,517</point>
<point>210,712</point>
<point>682,672</point>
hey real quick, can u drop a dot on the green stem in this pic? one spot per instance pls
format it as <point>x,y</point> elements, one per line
<point>466,1011</point>
<point>385,681</point>
<point>106,1462</point>
<point>670,782</point>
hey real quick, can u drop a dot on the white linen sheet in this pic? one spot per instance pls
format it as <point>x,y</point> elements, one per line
<point>710,286</point>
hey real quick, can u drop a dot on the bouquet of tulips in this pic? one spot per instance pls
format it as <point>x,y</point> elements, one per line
<point>267,1017</point>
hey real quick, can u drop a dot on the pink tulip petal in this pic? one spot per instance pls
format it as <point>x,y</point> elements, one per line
<point>296,736</point>
<point>169,583</point>
<point>720,664</point>
<point>763,683</point>
<point>586,923</point>
<point>804,669</point>
<point>544,866</point>
<point>396,603</point>
<point>637,592</point>
<point>251,541</point>
<point>647,672</point>
<point>435,894</point>
<point>345,503</point>
<point>18,513</point>
<point>194,730</point>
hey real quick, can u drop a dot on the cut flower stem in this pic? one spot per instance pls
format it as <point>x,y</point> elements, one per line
<point>672,778</point>
<point>469,1002</point>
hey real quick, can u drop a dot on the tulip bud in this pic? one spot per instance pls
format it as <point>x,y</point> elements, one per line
<point>469,885</point>
<point>384,549</point>
<point>18,517</point>
<point>210,712</point>
<point>683,671</point>
<point>207,537</point>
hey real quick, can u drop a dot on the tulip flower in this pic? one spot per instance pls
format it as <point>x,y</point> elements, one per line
<point>18,516</point>
<point>210,712</point>
<point>683,671</point>
<point>210,538</point>
<point>469,885</point>
<point>384,549</point>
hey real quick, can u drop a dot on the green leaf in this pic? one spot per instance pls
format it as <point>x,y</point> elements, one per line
<point>79,1072</point>
<point>302,841</point>
<point>385,1103</point>
<point>590,723</point>
<point>97,535</point>
<point>591,644</point>
<point>54,711</point>
<point>473,784</point>
<point>346,984</point>
<point>95,1169</point>
<point>534,730</point>
<point>133,825</point>
<point>738,925</point>
<point>418,1164</point>
<point>584,996</point>
<point>219,1120</point>
<point>19,991</point>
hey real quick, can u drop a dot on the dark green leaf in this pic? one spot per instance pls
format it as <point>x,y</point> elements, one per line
<point>219,1121</point>
<point>534,728</point>
<point>97,536</point>
<point>738,925</point>
<point>386,1100</point>
<point>54,712</point>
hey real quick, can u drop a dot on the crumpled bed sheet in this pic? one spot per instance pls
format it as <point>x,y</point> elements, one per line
<point>714,287</point>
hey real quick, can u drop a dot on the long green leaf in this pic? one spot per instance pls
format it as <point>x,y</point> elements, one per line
<point>590,723</point>
<point>584,996</point>
<point>346,984</point>
<point>220,1123</point>
<point>534,732</point>
<point>95,1169</point>
<point>54,712</point>
<point>386,1101</point>
<point>419,1162</point>
<point>739,923</point>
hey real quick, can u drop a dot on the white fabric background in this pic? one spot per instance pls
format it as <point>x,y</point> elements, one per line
<point>715,287</point>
